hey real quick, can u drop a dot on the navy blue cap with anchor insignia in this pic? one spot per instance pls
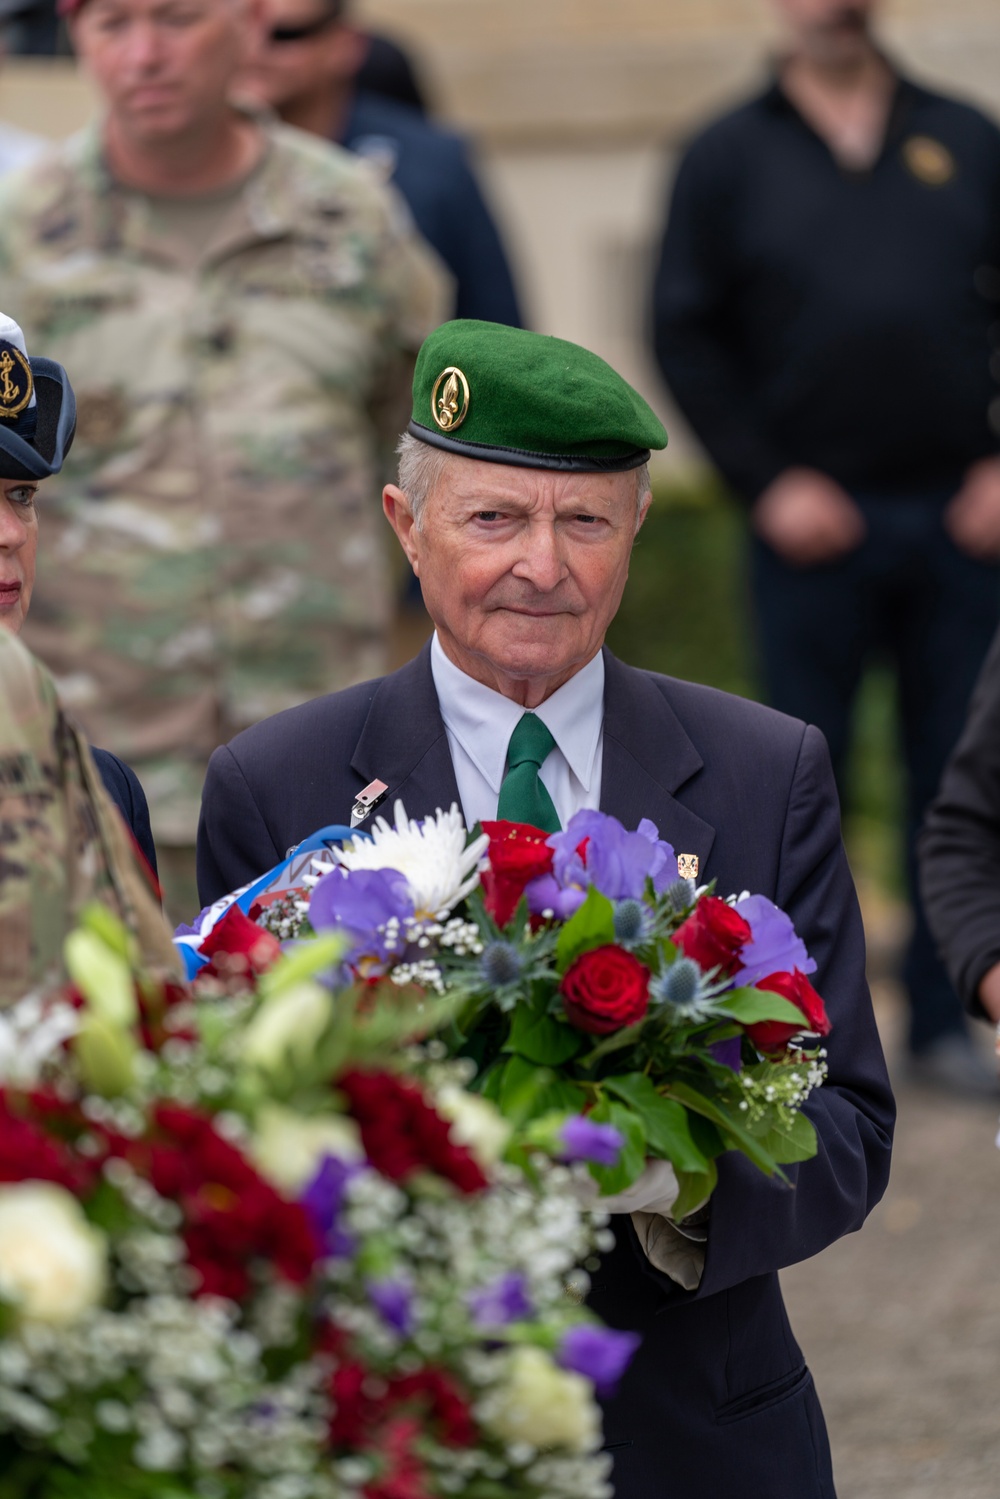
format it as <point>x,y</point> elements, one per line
<point>37,410</point>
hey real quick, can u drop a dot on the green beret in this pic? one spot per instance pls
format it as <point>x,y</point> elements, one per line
<point>510,396</point>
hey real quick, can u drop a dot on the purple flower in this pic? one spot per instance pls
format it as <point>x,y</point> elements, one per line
<point>728,1053</point>
<point>323,1199</point>
<point>360,903</point>
<point>598,1353</point>
<point>393,1300</point>
<point>774,946</point>
<point>585,1140</point>
<point>546,894</point>
<point>504,1301</point>
<point>595,849</point>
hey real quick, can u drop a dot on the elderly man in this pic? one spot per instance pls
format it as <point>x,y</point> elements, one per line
<point>522,485</point>
<point>824,311</point>
<point>239,307</point>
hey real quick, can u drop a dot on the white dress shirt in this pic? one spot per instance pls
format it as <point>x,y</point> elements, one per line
<point>479,723</point>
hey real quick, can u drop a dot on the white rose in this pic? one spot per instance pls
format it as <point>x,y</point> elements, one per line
<point>475,1123</point>
<point>286,1029</point>
<point>543,1405</point>
<point>288,1147</point>
<point>53,1263</point>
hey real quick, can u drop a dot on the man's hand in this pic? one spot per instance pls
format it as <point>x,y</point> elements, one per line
<point>972,519</point>
<point>989,992</point>
<point>807,518</point>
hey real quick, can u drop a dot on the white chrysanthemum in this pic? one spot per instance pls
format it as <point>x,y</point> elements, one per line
<point>432,855</point>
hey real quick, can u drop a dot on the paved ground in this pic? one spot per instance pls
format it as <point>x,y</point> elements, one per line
<point>901,1322</point>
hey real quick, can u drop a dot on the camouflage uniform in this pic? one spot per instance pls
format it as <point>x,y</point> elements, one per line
<point>213,547</point>
<point>62,842</point>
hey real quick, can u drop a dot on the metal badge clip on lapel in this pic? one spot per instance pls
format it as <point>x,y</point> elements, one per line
<point>373,795</point>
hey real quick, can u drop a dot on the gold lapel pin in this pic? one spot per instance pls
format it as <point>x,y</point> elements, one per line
<point>687,866</point>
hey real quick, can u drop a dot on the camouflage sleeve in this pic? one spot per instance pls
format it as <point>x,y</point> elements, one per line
<point>62,842</point>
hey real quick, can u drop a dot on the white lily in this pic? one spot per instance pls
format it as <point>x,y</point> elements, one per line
<point>431,854</point>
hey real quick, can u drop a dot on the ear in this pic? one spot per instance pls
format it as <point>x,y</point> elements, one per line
<point>644,505</point>
<point>396,506</point>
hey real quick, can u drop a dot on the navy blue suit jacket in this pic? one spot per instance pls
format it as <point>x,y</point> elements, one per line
<point>718,1400</point>
<point>431,169</point>
<point>122,785</point>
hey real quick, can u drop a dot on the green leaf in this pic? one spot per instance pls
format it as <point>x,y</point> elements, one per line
<point>796,1142</point>
<point>632,1160</point>
<point>593,925</point>
<point>541,1038</point>
<point>520,1089</point>
<point>664,1119</point>
<point>695,1188</point>
<point>103,977</point>
<point>735,1135</point>
<point>751,1005</point>
<point>303,961</point>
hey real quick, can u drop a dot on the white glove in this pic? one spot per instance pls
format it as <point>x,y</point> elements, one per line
<point>655,1191</point>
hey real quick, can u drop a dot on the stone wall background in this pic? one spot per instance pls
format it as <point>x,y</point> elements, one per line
<point>577,109</point>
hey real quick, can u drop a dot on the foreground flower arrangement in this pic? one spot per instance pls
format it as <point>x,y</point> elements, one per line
<point>258,1239</point>
<point>610,1009</point>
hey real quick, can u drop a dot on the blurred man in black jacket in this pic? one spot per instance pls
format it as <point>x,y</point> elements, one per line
<point>823,307</point>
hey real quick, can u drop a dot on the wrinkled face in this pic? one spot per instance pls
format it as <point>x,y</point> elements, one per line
<point>522,570</point>
<point>304,53</point>
<point>165,67</point>
<point>18,546</point>
<point>832,31</point>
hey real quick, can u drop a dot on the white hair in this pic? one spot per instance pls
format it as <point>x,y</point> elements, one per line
<point>421,465</point>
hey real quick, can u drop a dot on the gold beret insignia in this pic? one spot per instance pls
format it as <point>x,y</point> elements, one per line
<point>929,161</point>
<point>16,382</point>
<point>451,407</point>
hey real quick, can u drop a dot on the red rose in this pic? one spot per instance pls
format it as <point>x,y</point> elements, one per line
<point>774,1035</point>
<point>518,854</point>
<point>605,990</point>
<point>713,935</point>
<point>236,945</point>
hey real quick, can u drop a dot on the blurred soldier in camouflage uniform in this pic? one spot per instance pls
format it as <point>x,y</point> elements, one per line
<point>238,306</point>
<point>62,843</point>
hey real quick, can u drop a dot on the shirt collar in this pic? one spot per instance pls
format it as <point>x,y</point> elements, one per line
<point>483,720</point>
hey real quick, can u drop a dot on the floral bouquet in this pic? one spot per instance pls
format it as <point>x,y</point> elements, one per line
<point>610,1006</point>
<point>258,1241</point>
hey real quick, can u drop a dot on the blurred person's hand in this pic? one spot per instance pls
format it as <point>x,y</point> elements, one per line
<point>807,518</point>
<point>972,519</point>
<point>989,992</point>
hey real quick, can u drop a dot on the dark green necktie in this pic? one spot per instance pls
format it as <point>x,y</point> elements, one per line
<point>523,798</point>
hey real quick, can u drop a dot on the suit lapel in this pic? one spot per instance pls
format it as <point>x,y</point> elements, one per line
<point>404,743</point>
<point>647,757</point>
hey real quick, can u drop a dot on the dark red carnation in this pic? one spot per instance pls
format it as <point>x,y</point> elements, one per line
<point>774,1035</point>
<point>232,1216</point>
<point>518,854</point>
<point>236,946</point>
<point>36,1142</point>
<point>402,1133</point>
<point>713,935</point>
<point>605,990</point>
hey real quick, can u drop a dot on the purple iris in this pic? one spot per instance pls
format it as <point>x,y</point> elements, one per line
<point>546,894</point>
<point>323,1199</point>
<point>393,1300</point>
<point>598,1353</point>
<point>774,946</point>
<point>594,849</point>
<point>728,1053</point>
<point>506,1300</point>
<point>361,903</point>
<point>585,1140</point>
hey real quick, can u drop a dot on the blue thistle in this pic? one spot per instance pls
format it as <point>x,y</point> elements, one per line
<point>500,964</point>
<point>632,921</point>
<point>680,985</point>
<point>680,895</point>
